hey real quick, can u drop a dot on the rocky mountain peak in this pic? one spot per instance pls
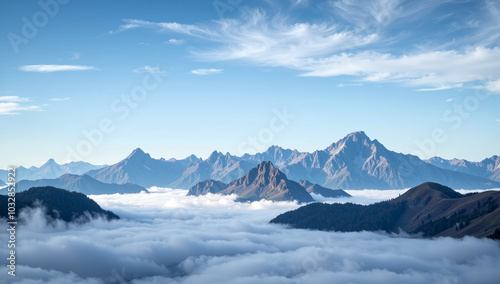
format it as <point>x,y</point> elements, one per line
<point>263,174</point>
<point>138,154</point>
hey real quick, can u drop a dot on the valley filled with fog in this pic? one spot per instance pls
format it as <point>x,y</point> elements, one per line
<point>168,237</point>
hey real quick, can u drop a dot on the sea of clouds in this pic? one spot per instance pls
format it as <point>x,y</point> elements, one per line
<point>168,237</point>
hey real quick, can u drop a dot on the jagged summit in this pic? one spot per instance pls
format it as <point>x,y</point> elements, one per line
<point>51,162</point>
<point>357,135</point>
<point>263,174</point>
<point>138,153</point>
<point>357,139</point>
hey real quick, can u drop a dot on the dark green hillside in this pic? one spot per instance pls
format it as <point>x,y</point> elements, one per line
<point>60,204</point>
<point>431,209</point>
<point>343,217</point>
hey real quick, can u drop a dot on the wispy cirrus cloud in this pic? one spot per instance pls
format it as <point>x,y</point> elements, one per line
<point>355,41</point>
<point>203,72</point>
<point>14,105</point>
<point>264,40</point>
<point>13,99</point>
<point>75,55</point>
<point>60,99</point>
<point>148,69</point>
<point>175,41</point>
<point>55,68</point>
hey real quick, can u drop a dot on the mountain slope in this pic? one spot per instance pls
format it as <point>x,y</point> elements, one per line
<point>276,155</point>
<point>487,168</point>
<point>139,168</point>
<point>207,186</point>
<point>217,166</point>
<point>59,204</point>
<point>430,208</point>
<point>262,182</point>
<point>83,184</point>
<point>325,192</point>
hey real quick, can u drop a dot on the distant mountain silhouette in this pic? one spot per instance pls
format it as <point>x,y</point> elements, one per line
<point>262,182</point>
<point>84,184</point>
<point>487,168</point>
<point>51,170</point>
<point>432,209</point>
<point>325,192</point>
<point>59,204</point>
<point>276,155</point>
<point>2,183</point>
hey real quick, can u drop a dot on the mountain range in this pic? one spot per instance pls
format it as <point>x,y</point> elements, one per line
<point>353,162</point>
<point>139,168</point>
<point>51,170</point>
<point>262,182</point>
<point>83,184</point>
<point>430,209</point>
<point>488,168</point>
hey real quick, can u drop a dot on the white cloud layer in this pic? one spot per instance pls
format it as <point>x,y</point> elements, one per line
<point>55,68</point>
<point>167,237</point>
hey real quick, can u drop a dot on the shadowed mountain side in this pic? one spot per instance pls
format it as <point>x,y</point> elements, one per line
<point>262,182</point>
<point>430,208</point>
<point>84,184</point>
<point>208,186</point>
<point>323,191</point>
<point>59,204</point>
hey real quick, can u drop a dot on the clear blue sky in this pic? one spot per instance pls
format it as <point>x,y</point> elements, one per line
<point>188,77</point>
